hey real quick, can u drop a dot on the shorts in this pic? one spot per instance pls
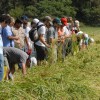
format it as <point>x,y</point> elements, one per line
<point>40,52</point>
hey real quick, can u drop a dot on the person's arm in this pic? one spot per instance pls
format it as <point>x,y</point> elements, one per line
<point>13,37</point>
<point>26,40</point>
<point>41,38</point>
<point>51,40</point>
<point>41,32</point>
<point>8,33</point>
<point>23,68</point>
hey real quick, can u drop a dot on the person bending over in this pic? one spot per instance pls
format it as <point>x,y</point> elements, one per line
<point>15,56</point>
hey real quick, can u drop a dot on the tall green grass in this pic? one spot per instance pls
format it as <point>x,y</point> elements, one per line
<point>77,78</point>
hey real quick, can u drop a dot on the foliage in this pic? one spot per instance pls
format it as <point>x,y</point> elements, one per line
<point>38,8</point>
<point>31,11</point>
<point>17,12</point>
<point>88,11</point>
<point>55,8</point>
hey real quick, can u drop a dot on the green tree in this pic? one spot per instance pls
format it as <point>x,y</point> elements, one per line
<point>88,11</point>
<point>55,8</point>
<point>17,12</point>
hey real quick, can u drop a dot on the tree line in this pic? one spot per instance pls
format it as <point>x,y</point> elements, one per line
<point>87,11</point>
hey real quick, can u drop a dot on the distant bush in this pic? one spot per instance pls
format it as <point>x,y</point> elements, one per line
<point>17,12</point>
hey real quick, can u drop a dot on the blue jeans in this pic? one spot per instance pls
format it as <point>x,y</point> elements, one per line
<point>1,66</point>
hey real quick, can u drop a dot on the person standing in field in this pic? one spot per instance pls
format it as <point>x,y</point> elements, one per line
<point>63,33</point>
<point>19,32</point>
<point>41,44</point>
<point>7,34</point>
<point>26,29</point>
<point>67,42</point>
<point>3,23</point>
<point>51,38</point>
<point>50,31</point>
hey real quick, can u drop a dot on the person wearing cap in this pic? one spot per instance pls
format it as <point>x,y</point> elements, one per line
<point>41,44</point>
<point>68,42</point>
<point>24,18</point>
<point>25,24</point>
<point>50,31</point>
<point>51,37</point>
<point>57,25</point>
<point>64,26</point>
<point>61,35</point>
<point>26,31</point>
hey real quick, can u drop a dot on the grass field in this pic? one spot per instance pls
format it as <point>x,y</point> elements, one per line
<point>77,78</point>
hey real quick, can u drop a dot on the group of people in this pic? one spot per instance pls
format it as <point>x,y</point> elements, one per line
<point>28,43</point>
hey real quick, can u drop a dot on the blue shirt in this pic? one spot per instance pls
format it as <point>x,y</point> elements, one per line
<point>6,32</point>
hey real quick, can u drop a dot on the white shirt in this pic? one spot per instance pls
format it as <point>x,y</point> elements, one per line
<point>42,31</point>
<point>66,32</point>
<point>27,29</point>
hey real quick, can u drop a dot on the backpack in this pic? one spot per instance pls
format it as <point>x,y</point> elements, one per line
<point>33,33</point>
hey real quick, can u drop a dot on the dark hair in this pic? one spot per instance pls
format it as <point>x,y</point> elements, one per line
<point>5,18</point>
<point>18,21</point>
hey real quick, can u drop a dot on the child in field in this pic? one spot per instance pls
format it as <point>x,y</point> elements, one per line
<point>84,41</point>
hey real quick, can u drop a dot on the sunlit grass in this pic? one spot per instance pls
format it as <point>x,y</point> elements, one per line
<point>77,78</point>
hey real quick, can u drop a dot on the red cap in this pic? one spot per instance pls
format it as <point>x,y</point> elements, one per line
<point>64,21</point>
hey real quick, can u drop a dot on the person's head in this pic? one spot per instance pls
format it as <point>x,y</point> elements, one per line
<point>47,21</point>
<point>77,23</point>
<point>25,23</point>
<point>18,23</point>
<point>24,18</point>
<point>12,21</point>
<point>70,19</point>
<point>64,21</point>
<point>35,22</point>
<point>57,22</point>
<point>31,62</point>
<point>4,20</point>
<point>85,36</point>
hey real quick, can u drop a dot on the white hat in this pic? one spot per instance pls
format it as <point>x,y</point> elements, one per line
<point>35,20</point>
<point>33,62</point>
<point>86,35</point>
<point>79,33</point>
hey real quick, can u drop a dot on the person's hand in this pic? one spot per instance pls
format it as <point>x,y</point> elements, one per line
<point>16,38</point>
<point>29,52</point>
<point>48,46</point>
